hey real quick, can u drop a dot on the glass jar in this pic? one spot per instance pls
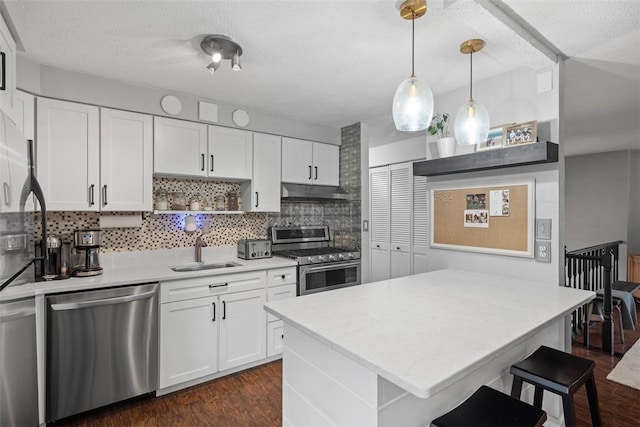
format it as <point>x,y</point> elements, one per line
<point>194,202</point>
<point>219,203</point>
<point>161,200</point>
<point>178,201</point>
<point>208,203</point>
<point>233,201</point>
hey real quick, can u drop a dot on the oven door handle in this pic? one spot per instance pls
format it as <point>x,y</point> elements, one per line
<point>333,266</point>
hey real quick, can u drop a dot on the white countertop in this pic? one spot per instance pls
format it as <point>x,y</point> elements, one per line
<point>426,331</point>
<point>129,268</point>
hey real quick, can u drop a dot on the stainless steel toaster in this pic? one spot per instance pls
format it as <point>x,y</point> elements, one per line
<point>254,248</point>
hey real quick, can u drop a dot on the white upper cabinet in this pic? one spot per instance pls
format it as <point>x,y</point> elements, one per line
<point>68,139</point>
<point>7,71</point>
<point>306,162</point>
<point>179,147</point>
<point>262,194</point>
<point>25,114</point>
<point>326,164</point>
<point>230,153</point>
<point>126,156</point>
<point>92,159</point>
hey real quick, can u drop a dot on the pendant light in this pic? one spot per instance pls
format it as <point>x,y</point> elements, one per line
<point>472,120</point>
<point>413,101</point>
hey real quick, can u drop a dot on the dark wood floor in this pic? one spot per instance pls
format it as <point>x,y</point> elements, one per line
<point>253,398</point>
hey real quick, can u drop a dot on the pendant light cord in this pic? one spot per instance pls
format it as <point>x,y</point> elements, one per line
<point>471,76</point>
<point>413,36</point>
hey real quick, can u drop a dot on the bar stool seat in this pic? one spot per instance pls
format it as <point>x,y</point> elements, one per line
<point>560,373</point>
<point>490,408</point>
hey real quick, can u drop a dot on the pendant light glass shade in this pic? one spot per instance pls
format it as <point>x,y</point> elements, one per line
<point>412,105</point>
<point>472,124</point>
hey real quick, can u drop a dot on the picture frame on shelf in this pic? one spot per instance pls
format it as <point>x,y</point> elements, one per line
<point>521,133</point>
<point>495,139</point>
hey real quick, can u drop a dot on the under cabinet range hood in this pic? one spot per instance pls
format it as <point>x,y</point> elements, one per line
<point>302,193</point>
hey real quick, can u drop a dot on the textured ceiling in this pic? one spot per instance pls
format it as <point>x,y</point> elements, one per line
<point>327,62</point>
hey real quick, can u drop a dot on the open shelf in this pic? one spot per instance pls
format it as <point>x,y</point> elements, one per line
<point>528,154</point>
<point>199,212</point>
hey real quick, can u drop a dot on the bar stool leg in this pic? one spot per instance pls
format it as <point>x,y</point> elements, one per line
<point>516,387</point>
<point>620,324</point>
<point>569,411</point>
<point>537,397</point>
<point>592,397</point>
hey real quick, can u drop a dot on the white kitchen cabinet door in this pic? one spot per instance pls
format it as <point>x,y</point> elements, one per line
<point>420,235</point>
<point>400,177</point>
<point>275,338</point>
<point>297,161</point>
<point>188,340</point>
<point>179,147</point>
<point>277,293</point>
<point>230,153</point>
<point>8,77</point>
<point>380,262</point>
<point>326,164</point>
<point>68,140</point>
<point>25,114</point>
<point>126,161</point>
<point>262,194</point>
<point>379,199</point>
<point>242,328</point>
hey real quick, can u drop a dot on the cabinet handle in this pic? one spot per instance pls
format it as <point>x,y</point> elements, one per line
<point>309,171</point>
<point>282,336</point>
<point>398,248</point>
<point>202,160</point>
<point>377,246</point>
<point>257,198</point>
<point>3,85</point>
<point>91,199</point>
<point>214,311</point>
<point>212,163</point>
<point>7,193</point>
<point>104,195</point>
<point>316,177</point>
<point>283,276</point>
<point>224,310</point>
<point>218,286</point>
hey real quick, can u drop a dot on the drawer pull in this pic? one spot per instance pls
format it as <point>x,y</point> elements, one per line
<point>218,286</point>
<point>283,276</point>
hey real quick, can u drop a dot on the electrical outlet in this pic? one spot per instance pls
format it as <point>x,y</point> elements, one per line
<point>543,251</point>
<point>543,228</point>
<point>365,225</point>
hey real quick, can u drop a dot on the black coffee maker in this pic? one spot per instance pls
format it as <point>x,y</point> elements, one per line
<point>57,266</point>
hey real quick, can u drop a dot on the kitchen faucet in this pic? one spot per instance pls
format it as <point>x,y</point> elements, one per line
<point>200,243</point>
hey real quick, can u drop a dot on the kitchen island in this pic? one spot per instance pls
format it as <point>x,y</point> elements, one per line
<point>406,350</point>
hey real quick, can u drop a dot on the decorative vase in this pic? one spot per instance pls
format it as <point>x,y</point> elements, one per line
<point>446,147</point>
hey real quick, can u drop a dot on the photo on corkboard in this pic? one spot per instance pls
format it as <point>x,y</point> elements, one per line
<point>478,218</point>
<point>477,201</point>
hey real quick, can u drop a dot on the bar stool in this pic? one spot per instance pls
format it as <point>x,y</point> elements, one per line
<point>490,408</point>
<point>560,373</point>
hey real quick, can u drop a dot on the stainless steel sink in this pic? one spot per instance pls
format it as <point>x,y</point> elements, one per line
<point>197,266</point>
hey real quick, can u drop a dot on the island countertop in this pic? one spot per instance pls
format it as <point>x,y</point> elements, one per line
<point>426,331</point>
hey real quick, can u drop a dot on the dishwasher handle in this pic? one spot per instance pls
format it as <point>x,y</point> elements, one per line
<point>99,302</point>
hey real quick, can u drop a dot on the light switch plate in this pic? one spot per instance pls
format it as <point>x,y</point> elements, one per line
<point>543,251</point>
<point>543,228</point>
<point>365,225</point>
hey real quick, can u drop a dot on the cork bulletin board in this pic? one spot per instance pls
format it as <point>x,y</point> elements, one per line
<point>497,219</point>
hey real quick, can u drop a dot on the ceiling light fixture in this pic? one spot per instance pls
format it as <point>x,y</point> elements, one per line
<point>472,120</point>
<point>413,100</point>
<point>220,47</point>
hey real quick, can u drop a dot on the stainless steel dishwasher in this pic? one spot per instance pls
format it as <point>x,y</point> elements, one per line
<point>102,347</point>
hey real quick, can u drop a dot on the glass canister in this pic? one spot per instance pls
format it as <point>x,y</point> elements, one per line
<point>161,200</point>
<point>178,201</point>
<point>219,203</point>
<point>233,201</point>
<point>194,202</point>
<point>208,203</point>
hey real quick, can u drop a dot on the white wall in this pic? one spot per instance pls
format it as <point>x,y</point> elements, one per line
<point>633,230</point>
<point>598,200</point>
<point>72,86</point>
<point>511,97</point>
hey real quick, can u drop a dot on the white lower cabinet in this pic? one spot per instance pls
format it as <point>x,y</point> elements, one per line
<point>188,340</point>
<point>242,323</point>
<point>209,325</point>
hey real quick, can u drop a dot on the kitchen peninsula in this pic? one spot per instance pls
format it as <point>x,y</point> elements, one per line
<point>406,350</point>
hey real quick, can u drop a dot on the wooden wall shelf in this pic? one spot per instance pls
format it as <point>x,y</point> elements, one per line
<point>529,154</point>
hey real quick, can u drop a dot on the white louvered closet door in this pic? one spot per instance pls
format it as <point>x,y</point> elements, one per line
<point>420,243</point>
<point>401,192</point>
<point>379,223</point>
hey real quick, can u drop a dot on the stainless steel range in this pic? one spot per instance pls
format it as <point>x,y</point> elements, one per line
<point>321,267</point>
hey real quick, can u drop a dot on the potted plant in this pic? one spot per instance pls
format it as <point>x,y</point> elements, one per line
<point>440,126</point>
